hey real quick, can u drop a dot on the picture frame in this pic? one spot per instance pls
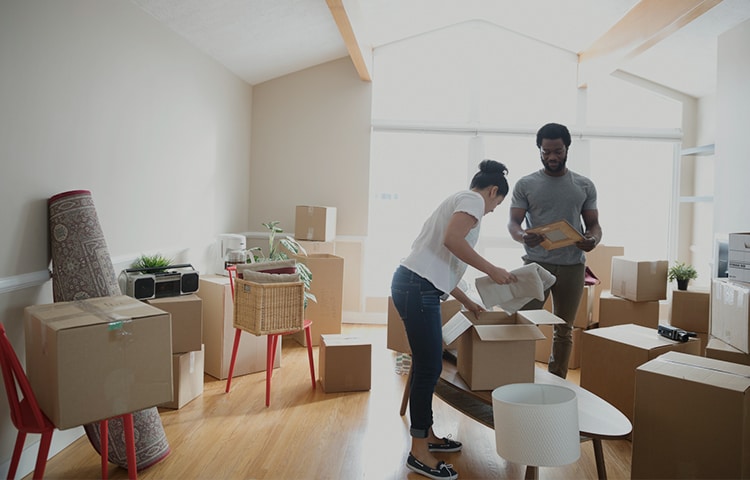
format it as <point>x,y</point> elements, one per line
<point>557,234</point>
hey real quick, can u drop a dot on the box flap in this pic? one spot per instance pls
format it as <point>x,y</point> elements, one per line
<point>454,327</point>
<point>64,315</point>
<point>635,335</point>
<point>341,339</point>
<point>538,317</point>
<point>709,371</point>
<point>508,333</point>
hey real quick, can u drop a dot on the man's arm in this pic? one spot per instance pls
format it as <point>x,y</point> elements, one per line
<point>517,216</point>
<point>593,234</point>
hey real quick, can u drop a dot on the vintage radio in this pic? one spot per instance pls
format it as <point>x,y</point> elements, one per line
<point>171,281</point>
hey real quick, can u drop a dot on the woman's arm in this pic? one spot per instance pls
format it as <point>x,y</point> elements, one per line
<point>455,241</point>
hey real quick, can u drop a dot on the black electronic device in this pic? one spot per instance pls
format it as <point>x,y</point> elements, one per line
<point>674,333</point>
<point>153,282</point>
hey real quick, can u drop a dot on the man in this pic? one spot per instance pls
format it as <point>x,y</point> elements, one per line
<point>551,194</point>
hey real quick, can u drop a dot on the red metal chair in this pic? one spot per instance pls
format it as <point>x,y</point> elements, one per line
<point>272,344</point>
<point>29,418</point>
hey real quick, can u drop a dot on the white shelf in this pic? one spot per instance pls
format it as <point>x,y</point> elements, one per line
<point>701,151</point>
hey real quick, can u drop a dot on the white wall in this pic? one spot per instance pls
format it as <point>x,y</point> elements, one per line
<point>96,95</point>
<point>311,146</point>
<point>732,196</point>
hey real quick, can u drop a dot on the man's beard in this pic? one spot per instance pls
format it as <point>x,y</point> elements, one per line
<point>557,169</point>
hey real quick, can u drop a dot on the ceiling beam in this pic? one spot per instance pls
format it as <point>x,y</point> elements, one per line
<point>645,25</point>
<point>346,13</point>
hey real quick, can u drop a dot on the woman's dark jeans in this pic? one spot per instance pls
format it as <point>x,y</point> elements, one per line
<point>418,303</point>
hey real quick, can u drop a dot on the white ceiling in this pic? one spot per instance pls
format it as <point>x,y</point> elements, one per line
<point>263,39</point>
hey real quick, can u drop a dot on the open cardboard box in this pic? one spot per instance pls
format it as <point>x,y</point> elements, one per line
<point>495,348</point>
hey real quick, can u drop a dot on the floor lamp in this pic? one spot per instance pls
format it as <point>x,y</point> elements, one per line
<point>536,425</point>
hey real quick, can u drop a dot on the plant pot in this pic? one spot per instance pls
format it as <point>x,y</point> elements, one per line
<point>682,284</point>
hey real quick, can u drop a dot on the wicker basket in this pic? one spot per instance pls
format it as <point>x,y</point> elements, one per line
<point>266,308</point>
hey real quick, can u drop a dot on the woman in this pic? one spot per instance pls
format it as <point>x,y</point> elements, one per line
<point>438,259</point>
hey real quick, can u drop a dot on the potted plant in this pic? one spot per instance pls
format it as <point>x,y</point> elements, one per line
<point>683,273</point>
<point>275,254</point>
<point>155,263</point>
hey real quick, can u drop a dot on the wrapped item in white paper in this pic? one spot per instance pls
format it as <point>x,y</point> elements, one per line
<point>533,280</point>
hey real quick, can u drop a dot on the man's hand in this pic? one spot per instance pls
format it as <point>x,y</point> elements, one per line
<point>532,239</point>
<point>587,244</point>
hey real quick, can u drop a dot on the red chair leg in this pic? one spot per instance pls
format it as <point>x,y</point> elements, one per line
<point>237,335</point>
<point>129,432</point>
<point>104,447</point>
<point>271,344</point>
<point>20,439</point>
<point>41,457</point>
<point>308,338</point>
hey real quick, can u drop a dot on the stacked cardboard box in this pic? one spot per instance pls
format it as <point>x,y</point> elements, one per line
<point>315,223</point>
<point>219,332</point>
<point>186,312</point>
<point>97,358</point>
<point>691,418</point>
<point>730,313</point>
<point>739,257</point>
<point>328,287</point>
<point>599,261</point>
<point>615,310</point>
<point>691,311</point>
<point>611,355</point>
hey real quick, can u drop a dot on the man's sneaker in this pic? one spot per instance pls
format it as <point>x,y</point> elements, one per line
<point>443,471</point>
<point>447,445</point>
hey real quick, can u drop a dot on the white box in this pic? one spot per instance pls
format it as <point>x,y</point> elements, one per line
<point>730,314</point>
<point>739,257</point>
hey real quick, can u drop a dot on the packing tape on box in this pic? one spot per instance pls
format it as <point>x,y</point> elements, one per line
<point>700,367</point>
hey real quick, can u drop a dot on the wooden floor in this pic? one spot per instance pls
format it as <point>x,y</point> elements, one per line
<point>308,434</point>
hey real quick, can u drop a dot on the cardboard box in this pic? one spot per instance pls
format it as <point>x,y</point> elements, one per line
<point>620,311</point>
<point>585,312</point>
<point>739,257</point>
<point>218,333</point>
<point>396,333</point>
<point>719,350</point>
<point>544,347</point>
<point>610,356</point>
<point>495,348</point>
<point>187,320</point>
<point>691,310</point>
<point>315,223</point>
<point>599,261</point>
<point>328,287</point>
<point>187,375</point>
<point>692,419</point>
<point>639,281</point>
<point>344,363</point>
<point>730,313</point>
<point>318,247</point>
<point>97,358</point>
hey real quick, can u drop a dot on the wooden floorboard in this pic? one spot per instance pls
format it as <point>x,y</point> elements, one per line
<point>308,434</point>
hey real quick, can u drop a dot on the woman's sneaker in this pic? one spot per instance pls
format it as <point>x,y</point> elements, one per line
<point>443,471</point>
<point>446,446</point>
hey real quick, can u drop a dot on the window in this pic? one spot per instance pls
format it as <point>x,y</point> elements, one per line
<point>444,101</point>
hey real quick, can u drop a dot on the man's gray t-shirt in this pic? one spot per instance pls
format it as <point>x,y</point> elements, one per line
<point>548,199</point>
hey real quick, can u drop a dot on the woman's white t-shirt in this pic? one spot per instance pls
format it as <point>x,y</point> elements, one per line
<point>429,257</point>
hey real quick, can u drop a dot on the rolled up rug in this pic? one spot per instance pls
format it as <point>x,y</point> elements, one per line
<point>82,268</point>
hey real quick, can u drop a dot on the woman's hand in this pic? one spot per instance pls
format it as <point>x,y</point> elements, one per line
<point>472,306</point>
<point>501,276</point>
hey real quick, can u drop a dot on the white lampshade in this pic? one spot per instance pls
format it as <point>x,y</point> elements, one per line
<point>536,424</point>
